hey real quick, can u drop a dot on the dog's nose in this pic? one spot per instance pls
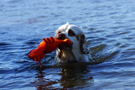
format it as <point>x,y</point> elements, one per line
<point>61,36</point>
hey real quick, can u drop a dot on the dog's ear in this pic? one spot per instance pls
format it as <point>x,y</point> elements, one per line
<point>83,44</point>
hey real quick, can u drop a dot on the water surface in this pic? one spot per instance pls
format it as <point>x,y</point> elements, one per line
<point>109,27</point>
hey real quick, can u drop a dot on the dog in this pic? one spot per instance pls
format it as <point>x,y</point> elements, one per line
<point>78,52</point>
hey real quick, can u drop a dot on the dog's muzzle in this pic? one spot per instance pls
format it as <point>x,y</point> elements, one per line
<point>62,36</point>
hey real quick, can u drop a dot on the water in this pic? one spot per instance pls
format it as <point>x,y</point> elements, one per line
<point>109,27</point>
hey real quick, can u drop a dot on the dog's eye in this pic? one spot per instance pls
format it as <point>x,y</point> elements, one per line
<point>71,33</point>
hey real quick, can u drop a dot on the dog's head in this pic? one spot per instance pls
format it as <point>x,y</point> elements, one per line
<point>76,35</point>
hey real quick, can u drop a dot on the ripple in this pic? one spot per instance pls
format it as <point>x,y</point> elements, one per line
<point>105,56</point>
<point>4,44</point>
<point>4,71</point>
<point>30,42</point>
<point>97,48</point>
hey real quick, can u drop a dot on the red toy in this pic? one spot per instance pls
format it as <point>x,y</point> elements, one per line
<point>46,46</point>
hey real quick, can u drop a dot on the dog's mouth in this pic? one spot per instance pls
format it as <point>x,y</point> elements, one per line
<point>65,47</point>
<point>62,36</point>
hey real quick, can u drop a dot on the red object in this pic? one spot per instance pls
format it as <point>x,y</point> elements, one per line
<point>46,46</point>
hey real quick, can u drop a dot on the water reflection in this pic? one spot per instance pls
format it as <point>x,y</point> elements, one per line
<point>74,73</point>
<point>70,75</point>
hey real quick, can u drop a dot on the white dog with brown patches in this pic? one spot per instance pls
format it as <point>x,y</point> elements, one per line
<point>78,51</point>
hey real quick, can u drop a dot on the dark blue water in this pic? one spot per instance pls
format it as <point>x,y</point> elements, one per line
<point>109,26</point>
